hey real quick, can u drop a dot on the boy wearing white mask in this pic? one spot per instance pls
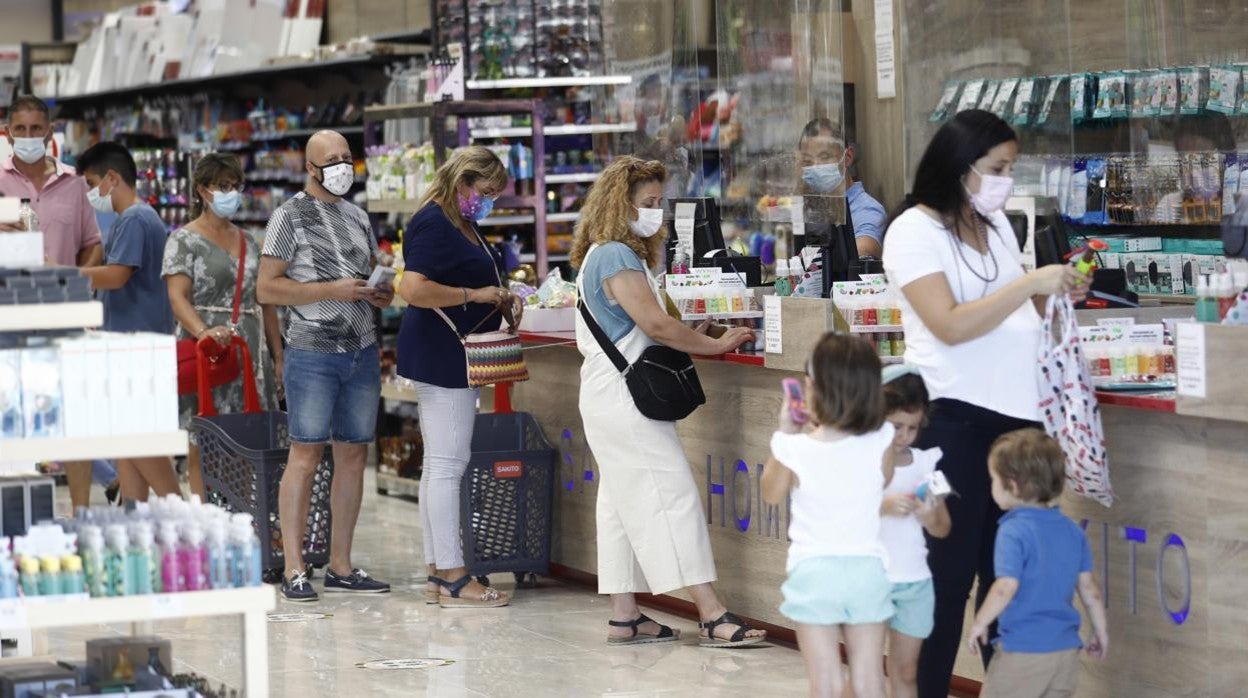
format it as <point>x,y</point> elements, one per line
<point>71,235</point>
<point>827,163</point>
<point>130,284</point>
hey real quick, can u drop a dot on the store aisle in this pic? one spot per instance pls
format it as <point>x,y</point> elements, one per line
<point>550,641</point>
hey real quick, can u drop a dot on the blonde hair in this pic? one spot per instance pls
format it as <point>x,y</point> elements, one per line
<point>607,210</point>
<point>467,166</point>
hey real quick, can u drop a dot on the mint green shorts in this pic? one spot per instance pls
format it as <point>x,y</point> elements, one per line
<point>914,608</point>
<point>835,590</point>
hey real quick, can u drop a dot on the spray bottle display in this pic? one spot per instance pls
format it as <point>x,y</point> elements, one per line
<point>218,555</point>
<point>170,571</point>
<point>116,567</point>
<point>191,554</point>
<point>71,575</point>
<point>8,573</point>
<point>139,557</point>
<point>91,547</point>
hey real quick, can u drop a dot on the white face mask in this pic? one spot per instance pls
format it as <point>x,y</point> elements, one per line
<point>994,191</point>
<point>648,222</point>
<point>338,178</point>
<point>100,202</point>
<point>29,150</point>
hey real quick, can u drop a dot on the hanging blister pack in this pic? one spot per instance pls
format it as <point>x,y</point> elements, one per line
<point>947,97</point>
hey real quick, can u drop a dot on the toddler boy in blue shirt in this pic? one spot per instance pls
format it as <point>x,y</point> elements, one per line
<point>1042,558</point>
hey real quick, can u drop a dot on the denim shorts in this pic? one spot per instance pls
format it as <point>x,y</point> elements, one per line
<point>332,397</point>
<point>914,608</point>
<point>838,590</point>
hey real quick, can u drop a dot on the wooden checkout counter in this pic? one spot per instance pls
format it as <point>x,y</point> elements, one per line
<point>1172,553</point>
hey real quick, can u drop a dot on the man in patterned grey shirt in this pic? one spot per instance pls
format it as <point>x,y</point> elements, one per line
<point>318,252</point>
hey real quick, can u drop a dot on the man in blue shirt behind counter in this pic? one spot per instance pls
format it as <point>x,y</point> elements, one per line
<point>130,284</point>
<point>827,163</point>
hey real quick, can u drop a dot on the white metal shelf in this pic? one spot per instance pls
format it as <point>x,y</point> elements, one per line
<point>506,220</point>
<point>252,603</point>
<point>89,448</point>
<point>562,130</point>
<point>530,258</point>
<point>51,316</point>
<point>565,217</point>
<point>520,83</point>
<point>577,177</point>
<point>743,315</point>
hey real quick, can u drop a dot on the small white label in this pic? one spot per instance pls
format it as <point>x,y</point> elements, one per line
<point>168,606</point>
<point>397,664</point>
<point>295,617</point>
<point>772,325</point>
<point>13,614</point>
<point>1190,360</point>
<point>797,216</point>
<point>685,213</point>
<point>1115,322</point>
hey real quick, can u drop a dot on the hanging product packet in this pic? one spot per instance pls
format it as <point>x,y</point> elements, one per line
<point>1024,101</point>
<point>1141,83</point>
<point>1193,89</point>
<point>1005,95</point>
<point>1080,88</point>
<point>1111,99</point>
<point>1224,89</point>
<point>1050,96</point>
<point>1165,93</point>
<point>991,87</point>
<point>971,92</point>
<point>947,97</point>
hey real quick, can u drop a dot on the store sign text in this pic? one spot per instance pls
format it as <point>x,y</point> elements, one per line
<point>1168,546</point>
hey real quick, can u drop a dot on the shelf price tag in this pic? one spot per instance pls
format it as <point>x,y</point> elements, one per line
<point>772,325</point>
<point>168,606</point>
<point>1191,368</point>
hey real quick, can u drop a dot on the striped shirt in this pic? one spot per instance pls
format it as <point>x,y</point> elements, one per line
<point>324,242</point>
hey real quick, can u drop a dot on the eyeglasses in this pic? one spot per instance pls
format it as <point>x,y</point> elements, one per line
<point>227,187</point>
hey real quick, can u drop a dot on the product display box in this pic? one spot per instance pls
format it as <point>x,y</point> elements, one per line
<point>27,680</point>
<point>548,320</point>
<point>119,660</point>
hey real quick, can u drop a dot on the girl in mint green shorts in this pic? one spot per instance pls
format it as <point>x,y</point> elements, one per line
<point>833,469</point>
<point>905,518</point>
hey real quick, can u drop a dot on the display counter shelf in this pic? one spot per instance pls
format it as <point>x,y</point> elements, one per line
<point>530,83</point>
<point>87,448</point>
<point>253,603</point>
<point>874,329</point>
<point>51,316</point>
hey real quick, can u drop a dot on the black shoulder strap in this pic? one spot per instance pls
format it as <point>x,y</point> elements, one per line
<point>608,347</point>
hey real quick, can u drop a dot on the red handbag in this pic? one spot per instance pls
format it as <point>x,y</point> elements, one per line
<point>222,363</point>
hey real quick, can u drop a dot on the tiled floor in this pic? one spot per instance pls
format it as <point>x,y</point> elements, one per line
<point>549,642</point>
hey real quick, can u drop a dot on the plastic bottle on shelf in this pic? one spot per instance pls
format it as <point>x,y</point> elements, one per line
<point>680,265</point>
<point>191,555</point>
<point>29,577</point>
<point>139,557</point>
<point>738,301</point>
<point>1167,360</point>
<point>8,574</point>
<point>1092,356</point>
<point>218,555</point>
<point>899,344</point>
<point>49,576</point>
<point>244,552</point>
<point>884,313</point>
<point>1206,303</point>
<point>116,562</point>
<point>783,286</point>
<point>91,548</point>
<point>884,345</point>
<point>870,313</point>
<point>1117,362</point>
<point>170,571</point>
<point>72,581</point>
<point>1131,362</point>
<point>27,216</point>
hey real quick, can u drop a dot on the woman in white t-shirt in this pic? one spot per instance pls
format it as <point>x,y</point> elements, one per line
<point>972,324</point>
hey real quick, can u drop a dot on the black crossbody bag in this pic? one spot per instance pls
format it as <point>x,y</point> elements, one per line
<point>663,382</point>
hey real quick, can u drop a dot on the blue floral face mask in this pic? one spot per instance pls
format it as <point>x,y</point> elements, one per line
<point>476,207</point>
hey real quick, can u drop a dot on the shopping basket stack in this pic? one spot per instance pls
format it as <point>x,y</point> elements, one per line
<point>243,457</point>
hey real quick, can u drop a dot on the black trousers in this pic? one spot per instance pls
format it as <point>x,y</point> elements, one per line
<point>965,434</point>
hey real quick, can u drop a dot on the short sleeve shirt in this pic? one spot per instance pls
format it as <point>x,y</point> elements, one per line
<point>866,213</point>
<point>67,220</point>
<point>607,261</point>
<point>429,352</point>
<point>997,371</point>
<point>322,242</point>
<point>142,304</point>
<point>1045,552</point>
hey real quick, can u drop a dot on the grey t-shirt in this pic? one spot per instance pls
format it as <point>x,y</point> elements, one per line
<point>324,242</point>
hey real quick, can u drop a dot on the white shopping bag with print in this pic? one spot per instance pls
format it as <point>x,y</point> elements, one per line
<point>1068,403</point>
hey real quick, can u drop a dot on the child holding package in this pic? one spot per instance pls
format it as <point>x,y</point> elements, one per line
<point>1042,558</point>
<point>904,519</point>
<point>834,472</point>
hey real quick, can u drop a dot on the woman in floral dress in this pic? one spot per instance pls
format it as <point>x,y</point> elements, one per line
<point>200,269</point>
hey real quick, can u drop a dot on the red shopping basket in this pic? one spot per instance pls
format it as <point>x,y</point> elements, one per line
<point>243,457</point>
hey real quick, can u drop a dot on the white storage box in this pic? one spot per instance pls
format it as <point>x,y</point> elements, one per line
<point>548,320</point>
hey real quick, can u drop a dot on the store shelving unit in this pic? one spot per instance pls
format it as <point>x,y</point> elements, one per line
<point>51,316</point>
<point>173,443</point>
<point>253,604</point>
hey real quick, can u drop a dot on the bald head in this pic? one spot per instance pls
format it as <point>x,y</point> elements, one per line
<point>324,148</point>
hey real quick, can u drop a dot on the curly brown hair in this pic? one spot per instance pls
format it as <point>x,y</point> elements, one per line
<point>605,215</point>
<point>1033,461</point>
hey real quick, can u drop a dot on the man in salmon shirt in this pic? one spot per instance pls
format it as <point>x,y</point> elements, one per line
<point>71,236</point>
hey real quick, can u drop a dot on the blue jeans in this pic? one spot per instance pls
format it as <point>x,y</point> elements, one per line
<point>332,397</point>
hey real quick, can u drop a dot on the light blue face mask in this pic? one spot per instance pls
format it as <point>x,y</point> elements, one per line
<point>225,203</point>
<point>824,178</point>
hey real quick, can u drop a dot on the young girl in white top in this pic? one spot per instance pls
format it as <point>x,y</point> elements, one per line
<point>834,473</point>
<point>906,517</point>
